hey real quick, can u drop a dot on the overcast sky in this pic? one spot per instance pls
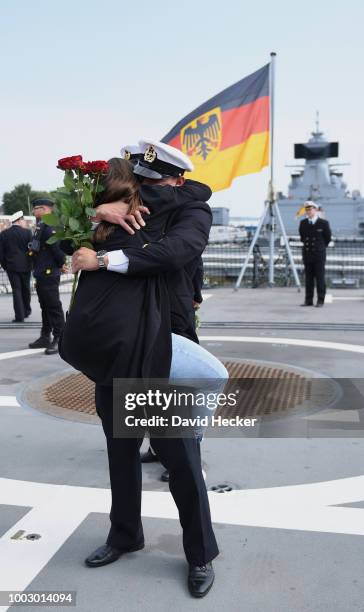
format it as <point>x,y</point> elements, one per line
<point>87,77</point>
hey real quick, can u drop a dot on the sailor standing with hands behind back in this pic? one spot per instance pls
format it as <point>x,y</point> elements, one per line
<point>315,234</point>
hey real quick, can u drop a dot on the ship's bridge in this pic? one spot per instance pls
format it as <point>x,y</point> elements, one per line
<point>318,180</point>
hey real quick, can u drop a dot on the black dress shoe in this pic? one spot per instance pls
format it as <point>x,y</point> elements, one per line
<point>18,321</point>
<point>148,456</point>
<point>165,476</point>
<point>319,304</point>
<point>307,304</point>
<point>107,554</point>
<point>42,342</point>
<point>200,579</point>
<point>52,349</point>
<point>27,314</point>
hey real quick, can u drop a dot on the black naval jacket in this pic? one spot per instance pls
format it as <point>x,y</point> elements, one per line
<point>315,237</point>
<point>50,259</point>
<point>120,324</point>
<point>14,248</point>
<point>178,255</point>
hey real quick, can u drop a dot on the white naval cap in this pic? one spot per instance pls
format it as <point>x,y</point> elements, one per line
<point>131,152</point>
<point>17,215</point>
<point>159,160</point>
<point>310,203</point>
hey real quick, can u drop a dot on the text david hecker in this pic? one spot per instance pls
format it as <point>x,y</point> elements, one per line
<point>178,421</point>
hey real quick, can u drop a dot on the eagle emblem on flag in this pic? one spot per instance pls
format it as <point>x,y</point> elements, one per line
<point>201,138</point>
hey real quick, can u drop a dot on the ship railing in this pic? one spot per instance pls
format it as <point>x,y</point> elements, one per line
<point>64,287</point>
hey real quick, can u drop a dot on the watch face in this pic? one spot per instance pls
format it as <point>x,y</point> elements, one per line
<point>100,258</point>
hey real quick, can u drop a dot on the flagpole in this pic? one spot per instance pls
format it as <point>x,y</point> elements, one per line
<point>271,121</point>
<point>271,182</point>
<point>271,209</point>
<point>273,206</point>
<point>270,200</point>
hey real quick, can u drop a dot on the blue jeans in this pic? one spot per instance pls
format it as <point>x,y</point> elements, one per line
<point>190,360</point>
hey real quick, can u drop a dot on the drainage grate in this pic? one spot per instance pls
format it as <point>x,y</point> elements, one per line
<point>221,488</point>
<point>266,390</point>
<point>74,392</point>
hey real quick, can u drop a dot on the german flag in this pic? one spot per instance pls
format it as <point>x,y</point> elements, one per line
<point>228,135</point>
<point>300,212</point>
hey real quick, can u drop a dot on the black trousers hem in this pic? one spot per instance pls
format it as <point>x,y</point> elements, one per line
<point>181,457</point>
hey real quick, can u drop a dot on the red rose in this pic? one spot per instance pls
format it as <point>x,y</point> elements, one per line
<point>70,163</point>
<point>95,167</point>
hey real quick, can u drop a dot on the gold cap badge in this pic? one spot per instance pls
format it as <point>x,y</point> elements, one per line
<point>150,155</point>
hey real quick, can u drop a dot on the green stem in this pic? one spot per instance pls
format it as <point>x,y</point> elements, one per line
<point>78,186</point>
<point>74,287</point>
<point>95,192</point>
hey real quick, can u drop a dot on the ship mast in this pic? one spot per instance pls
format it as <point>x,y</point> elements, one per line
<point>317,122</point>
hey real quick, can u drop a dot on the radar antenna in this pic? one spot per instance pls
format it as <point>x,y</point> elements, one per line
<point>317,122</point>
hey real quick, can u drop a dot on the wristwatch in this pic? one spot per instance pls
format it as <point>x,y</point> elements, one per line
<point>100,258</point>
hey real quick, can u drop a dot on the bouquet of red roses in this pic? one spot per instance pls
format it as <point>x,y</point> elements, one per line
<point>74,203</point>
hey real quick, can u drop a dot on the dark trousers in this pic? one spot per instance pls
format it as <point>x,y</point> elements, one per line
<point>315,273</point>
<point>20,285</point>
<point>51,305</point>
<point>181,457</point>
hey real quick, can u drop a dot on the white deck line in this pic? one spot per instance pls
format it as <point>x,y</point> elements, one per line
<point>333,346</point>
<point>57,511</point>
<point>22,353</point>
<point>8,400</point>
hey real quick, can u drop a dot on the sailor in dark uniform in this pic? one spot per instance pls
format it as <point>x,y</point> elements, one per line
<point>150,456</point>
<point>13,258</point>
<point>177,256</point>
<point>183,310</point>
<point>48,264</point>
<point>315,234</point>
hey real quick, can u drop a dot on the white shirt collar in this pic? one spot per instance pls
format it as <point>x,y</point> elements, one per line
<point>313,219</point>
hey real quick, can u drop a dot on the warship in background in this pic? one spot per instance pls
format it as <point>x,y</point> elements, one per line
<point>317,179</point>
<point>321,181</point>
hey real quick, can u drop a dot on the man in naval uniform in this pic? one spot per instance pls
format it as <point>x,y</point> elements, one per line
<point>134,154</point>
<point>150,456</point>
<point>48,264</point>
<point>315,234</point>
<point>13,258</point>
<point>177,255</point>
